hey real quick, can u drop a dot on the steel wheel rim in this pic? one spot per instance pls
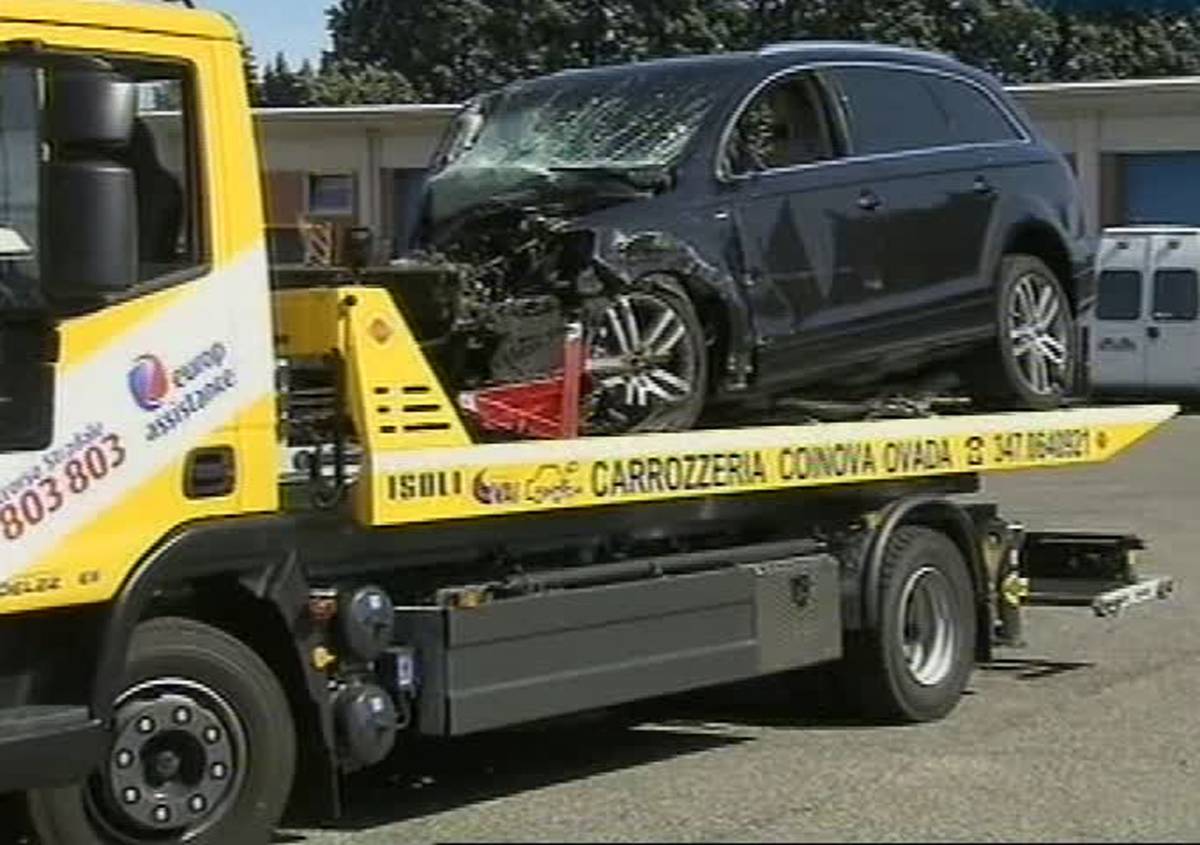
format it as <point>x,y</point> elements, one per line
<point>928,636</point>
<point>1039,333</point>
<point>640,359</point>
<point>211,747</point>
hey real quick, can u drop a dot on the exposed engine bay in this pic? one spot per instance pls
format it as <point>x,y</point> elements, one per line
<point>514,288</point>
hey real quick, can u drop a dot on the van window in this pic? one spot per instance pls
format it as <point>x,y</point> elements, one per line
<point>1119,295</point>
<point>1175,295</point>
<point>786,124</point>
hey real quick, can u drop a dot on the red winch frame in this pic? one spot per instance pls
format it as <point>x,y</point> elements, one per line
<point>546,408</point>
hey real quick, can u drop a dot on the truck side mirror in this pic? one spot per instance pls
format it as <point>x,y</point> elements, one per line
<point>90,218</point>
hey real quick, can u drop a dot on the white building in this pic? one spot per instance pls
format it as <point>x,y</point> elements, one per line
<point>1135,146</point>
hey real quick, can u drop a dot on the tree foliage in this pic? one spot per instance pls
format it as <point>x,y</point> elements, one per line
<point>448,50</point>
<point>338,82</point>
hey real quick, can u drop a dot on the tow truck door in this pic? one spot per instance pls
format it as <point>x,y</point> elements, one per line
<point>1119,329</point>
<point>1172,331</point>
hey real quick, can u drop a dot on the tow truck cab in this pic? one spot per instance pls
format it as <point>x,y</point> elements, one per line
<point>247,538</point>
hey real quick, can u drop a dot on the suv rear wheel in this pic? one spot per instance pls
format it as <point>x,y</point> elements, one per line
<point>1036,355</point>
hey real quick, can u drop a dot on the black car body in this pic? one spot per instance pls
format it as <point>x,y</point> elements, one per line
<point>836,213</point>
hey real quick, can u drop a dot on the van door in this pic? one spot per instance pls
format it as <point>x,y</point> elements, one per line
<point>1172,341</point>
<point>1117,361</point>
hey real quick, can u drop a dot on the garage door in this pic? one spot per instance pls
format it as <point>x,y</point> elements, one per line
<point>1161,187</point>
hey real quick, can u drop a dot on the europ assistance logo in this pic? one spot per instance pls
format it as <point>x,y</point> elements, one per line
<point>174,395</point>
<point>148,382</point>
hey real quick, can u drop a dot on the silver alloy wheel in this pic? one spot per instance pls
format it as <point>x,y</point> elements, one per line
<point>175,766</point>
<point>1038,327</point>
<point>640,358</point>
<point>929,638</point>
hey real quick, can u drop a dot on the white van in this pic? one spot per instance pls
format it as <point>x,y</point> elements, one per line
<point>1142,334</point>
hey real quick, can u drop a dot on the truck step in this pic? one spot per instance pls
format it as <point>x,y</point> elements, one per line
<point>19,722</point>
<point>48,745</point>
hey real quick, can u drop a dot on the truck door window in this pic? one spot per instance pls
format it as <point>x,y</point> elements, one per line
<point>1175,295</point>
<point>786,124</point>
<point>19,189</point>
<point>164,159</point>
<point>1119,295</point>
<point>99,180</point>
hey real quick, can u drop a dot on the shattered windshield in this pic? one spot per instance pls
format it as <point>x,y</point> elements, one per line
<point>640,117</point>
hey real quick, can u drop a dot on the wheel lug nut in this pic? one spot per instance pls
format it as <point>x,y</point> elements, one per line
<point>218,771</point>
<point>162,814</point>
<point>198,804</point>
<point>124,758</point>
<point>211,735</point>
<point>182,716</point>
<point>145,725</point>
<point>131,796</point>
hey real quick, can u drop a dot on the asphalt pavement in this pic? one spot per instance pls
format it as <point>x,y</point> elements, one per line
<point>1091,732</point>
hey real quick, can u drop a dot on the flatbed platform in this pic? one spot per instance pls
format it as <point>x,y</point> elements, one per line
<point>520,477</point>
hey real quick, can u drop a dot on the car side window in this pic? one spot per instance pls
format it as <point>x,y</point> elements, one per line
<point>972,117</point>
<point>890,110</point>
<point>786,124</point>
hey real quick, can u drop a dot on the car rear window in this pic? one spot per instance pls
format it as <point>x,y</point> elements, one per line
<point>1119,295</point>
<point>894,110</point>
<point>1175,295</point>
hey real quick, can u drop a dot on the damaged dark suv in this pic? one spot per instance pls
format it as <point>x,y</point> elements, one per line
<point>810,219</point>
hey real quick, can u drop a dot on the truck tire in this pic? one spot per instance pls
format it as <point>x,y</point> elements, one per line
<point>915,666</point>
<point>1034,361</point>
<point>204,749</point>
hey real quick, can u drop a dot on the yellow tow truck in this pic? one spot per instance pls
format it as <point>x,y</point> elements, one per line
<point>247,539</point>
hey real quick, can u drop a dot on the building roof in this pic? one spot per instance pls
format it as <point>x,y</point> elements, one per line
<point>162,17</point>
<point>1167,95</point>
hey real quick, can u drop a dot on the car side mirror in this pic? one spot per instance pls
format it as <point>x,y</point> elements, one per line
<point>89,222</point>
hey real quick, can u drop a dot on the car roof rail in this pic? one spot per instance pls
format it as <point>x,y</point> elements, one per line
<point>817,44</point>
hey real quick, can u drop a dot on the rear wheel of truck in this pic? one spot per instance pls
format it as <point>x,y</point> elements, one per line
<point>915,666</point>
<point>204,748</point>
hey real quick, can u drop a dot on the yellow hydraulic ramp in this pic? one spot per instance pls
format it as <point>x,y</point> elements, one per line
<point>485,479</point>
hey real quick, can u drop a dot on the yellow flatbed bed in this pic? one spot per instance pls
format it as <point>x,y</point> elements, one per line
<point>497,478</point>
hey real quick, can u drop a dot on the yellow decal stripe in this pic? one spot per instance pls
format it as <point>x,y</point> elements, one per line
<point>452,485</point>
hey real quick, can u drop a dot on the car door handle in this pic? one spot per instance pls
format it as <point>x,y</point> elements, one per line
<point>869,201</point>
<point>1152,332</point>
<point>983,186</point>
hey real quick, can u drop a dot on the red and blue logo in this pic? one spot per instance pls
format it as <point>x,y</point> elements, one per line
<point>148,382</point>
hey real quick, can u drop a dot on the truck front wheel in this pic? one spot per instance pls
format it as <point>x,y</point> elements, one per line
<point>203,749</point>
<point>915,666</point>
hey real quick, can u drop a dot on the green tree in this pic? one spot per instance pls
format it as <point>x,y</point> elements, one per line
<point>342,82</point>
<point>451,49</point>
<point>339,82</point>
<point>281,86</point>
